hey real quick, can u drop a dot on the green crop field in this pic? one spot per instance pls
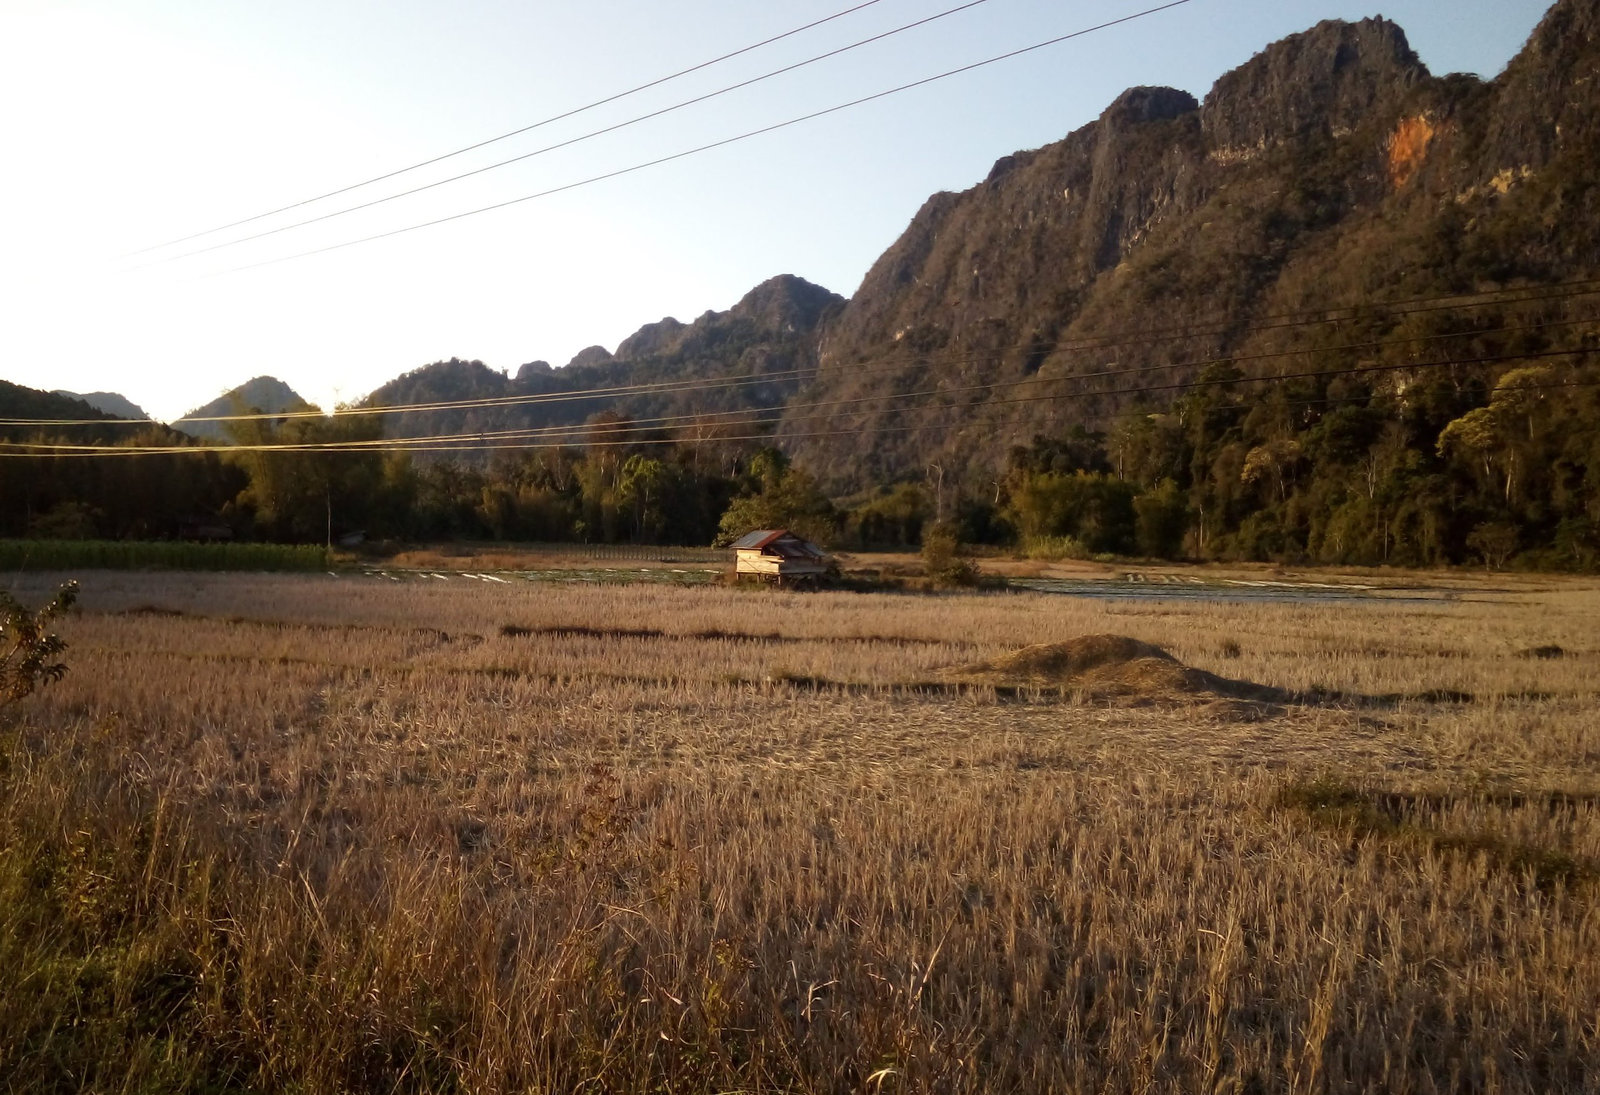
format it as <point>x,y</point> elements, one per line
<point>39,555</point>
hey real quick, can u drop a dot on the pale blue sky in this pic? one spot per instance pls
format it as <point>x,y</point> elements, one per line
<point>129,122</point>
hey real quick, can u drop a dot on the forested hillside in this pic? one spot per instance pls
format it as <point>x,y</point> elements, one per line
<point>61,495</point>
<point>751,358</point>
<point>112,403</point>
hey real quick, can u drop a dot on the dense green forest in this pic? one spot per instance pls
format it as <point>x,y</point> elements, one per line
<point>1433,467</point>
<point>1454,470</point>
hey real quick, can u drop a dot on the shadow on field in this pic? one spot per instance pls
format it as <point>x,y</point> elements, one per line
<point>1119,669</point>
<point>714,634</point>
<point>1411,820</point>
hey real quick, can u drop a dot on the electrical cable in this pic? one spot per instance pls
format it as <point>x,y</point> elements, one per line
<point>647,442</point>
<point>722,143</point>
<point>1564,291</point>
<point>513,133</point>
<point>424,444</point>
<point>415,444</point>
<point>1584,287</point>
<point>700,416</point>
<point>566,143</point>
<point>751,415</point>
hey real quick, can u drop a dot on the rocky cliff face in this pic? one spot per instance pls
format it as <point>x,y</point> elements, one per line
<point>1323,83</point>
<point>1074,208</point>
<point>1331,169</point>
<point>1545,98</point>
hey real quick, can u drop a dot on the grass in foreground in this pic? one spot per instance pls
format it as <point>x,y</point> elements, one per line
<point>318,835</point>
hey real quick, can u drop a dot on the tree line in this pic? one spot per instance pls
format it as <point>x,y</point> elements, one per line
<point>1427,470</point>
<point>1443,467</point>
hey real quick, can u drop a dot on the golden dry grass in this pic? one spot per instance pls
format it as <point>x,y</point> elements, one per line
<point>325,834</point>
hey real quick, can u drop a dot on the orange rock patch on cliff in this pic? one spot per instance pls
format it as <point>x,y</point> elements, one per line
<point>1408,146</point>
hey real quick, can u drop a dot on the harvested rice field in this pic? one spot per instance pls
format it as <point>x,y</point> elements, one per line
<point>335,833</point>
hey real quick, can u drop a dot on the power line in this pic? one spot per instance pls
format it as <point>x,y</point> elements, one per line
<point>700,416</point>
<point>714,418</point>
<point>707,418</point>
<point>513,133</point>
<point>422,444</point>
<point>570,141</point>
<point>1016,401</point>
<point>1584,287</point>
<point>751,417</point>
<point>1560,291</point>
<point>747,135</point>
<point>646,442</point>
<point>1103,417</point>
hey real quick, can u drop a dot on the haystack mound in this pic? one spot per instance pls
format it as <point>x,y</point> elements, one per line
<point>1111,666</point>
<point>1060,663</point>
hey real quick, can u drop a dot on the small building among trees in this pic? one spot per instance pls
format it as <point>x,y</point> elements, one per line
<point>778,555</point>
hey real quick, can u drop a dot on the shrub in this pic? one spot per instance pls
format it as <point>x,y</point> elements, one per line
<point>1054,547</point>
<point>941,555</point>
<point>1161,520</point>
<point>27,647</point>
<point>1495,541</point>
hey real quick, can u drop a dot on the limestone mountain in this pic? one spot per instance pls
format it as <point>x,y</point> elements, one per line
<point>1331,170</point>
<point>753,356</point>
<point>263,393</point>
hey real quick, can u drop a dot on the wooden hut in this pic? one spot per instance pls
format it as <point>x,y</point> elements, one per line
<point>778,555</point>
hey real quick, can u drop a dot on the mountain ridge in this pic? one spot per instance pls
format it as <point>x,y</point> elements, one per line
<point>767,333</point>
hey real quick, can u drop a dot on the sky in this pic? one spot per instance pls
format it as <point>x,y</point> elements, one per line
<point>129,124</point>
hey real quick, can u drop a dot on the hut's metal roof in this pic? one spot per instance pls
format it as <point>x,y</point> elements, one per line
<point>781,540</point>
<point>760,538</point>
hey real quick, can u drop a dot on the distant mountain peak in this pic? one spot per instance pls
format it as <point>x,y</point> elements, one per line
<point>768,341</point>
<point>652,338</point>
<point>112,403</point>
<point>1148,104</point>
<point>1325,80</point>
<point>266,394</point>
<point>786,302</point>
<point>590,356</point>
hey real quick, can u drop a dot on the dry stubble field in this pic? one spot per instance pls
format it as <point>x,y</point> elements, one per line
<point>327,834</point>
